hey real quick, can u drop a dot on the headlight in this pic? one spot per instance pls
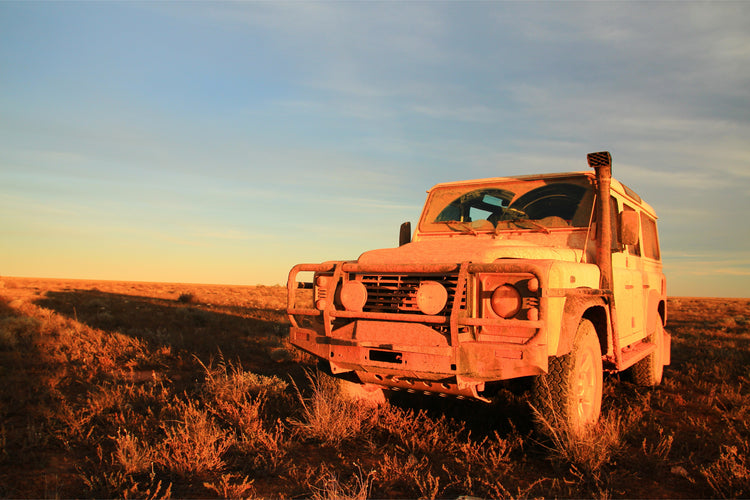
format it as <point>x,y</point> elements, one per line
<point>506,301</point>
<point>431,297</point>
<point>353,295</point>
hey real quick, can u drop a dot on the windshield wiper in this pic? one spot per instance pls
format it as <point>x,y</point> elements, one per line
<point>518,222</point>
<point>463,226</point>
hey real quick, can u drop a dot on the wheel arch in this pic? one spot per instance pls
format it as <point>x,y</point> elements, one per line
<point>663,311</point>
<point>579,307</point>
<point>599,316</point>
<point>656,310</point>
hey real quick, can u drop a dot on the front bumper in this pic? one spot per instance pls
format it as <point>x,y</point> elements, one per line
<point>446,353</point>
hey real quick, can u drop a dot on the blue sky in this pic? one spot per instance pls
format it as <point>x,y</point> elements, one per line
<point>224,142</point>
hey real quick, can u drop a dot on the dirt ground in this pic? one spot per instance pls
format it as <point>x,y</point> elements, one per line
<point>155,390</point>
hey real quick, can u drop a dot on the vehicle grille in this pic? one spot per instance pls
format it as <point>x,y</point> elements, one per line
<point>397,293</point>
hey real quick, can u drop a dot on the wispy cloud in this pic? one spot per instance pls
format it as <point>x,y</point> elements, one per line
<point>708,263</point>
<point>219,124</point>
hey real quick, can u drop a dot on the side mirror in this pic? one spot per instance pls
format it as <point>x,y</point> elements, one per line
<point>630,227</point>
<point>404,235</point>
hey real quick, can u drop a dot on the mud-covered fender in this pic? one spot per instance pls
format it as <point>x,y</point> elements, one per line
<point>579,305</point>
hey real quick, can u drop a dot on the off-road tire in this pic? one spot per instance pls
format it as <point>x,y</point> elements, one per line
<point>648,372</point>
<point>569,395</point>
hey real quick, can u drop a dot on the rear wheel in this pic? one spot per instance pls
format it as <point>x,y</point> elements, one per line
<point>648,372</point>
<point>570,394</point>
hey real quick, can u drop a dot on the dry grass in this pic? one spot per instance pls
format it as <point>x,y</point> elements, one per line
<point>327,416</point>
<point>194,445</point>
<point>128,390</point>
<point>331,488</point>
<point>583,453</point>
<point>231,486</point>
<point>729,475</point>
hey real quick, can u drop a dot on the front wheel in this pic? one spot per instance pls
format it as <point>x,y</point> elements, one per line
<point>569,395</point>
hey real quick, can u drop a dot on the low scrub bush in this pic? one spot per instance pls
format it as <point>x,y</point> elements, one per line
<point>18,332</point>
<point>585,451</point>
<point>329,487</point>
<point>419,434</point>
<point>186,298</point>
<point>238,398</point>
<point>194,445</point>
<point>397,473</point>
<point>729,476</point>
<point>326,415</point>
<point>231,486</point>
<point>132,454</point>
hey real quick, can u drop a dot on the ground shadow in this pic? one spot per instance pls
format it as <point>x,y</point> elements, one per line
<point>247,336</point>
<point>507,413</point>
<point>31,465</point>
<point>250,336</point>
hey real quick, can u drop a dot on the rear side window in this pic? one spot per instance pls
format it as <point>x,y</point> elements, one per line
<point>650,237</point>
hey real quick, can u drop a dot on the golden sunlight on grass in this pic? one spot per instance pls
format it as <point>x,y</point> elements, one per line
<point>149,390</point>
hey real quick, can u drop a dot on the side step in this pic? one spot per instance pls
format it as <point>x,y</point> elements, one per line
<point>634,353</point>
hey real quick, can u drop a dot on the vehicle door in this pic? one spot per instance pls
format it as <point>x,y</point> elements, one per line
<point>654,287</point>
<point>627,276</point>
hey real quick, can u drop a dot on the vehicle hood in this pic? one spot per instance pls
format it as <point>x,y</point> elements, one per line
<point>463,249</point>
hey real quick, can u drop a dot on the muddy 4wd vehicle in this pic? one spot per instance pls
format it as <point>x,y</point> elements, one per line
<point>556,277</point>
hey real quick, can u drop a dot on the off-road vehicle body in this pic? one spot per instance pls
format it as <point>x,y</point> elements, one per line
<point>552,276</point>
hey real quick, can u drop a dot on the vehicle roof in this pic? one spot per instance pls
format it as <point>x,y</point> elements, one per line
<point>534,177</point>
<point>617,186</point>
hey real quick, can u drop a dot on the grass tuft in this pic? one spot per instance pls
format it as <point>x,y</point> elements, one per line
<point>584,451</point>
<point>326,415</point>
<point>729,475</point>
<point>231,486</point>
<point>186,298</point>
<point>194,445</point>
<point>331,488</point>
<point>18,332</point>
<point>132,454</point>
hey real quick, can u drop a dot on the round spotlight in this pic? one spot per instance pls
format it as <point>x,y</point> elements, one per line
<point>506,301</point>
<point>353,296</point>
<point>431,297</point>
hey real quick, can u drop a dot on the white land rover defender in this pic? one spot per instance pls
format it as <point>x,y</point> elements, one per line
<point>556,277</point>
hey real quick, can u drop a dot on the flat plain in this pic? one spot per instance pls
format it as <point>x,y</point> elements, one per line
<point>157,390</point>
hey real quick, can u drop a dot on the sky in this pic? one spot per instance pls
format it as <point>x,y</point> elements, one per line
<point>212,142</point>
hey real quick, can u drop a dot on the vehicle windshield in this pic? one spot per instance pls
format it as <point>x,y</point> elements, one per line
<point>537,205</point>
